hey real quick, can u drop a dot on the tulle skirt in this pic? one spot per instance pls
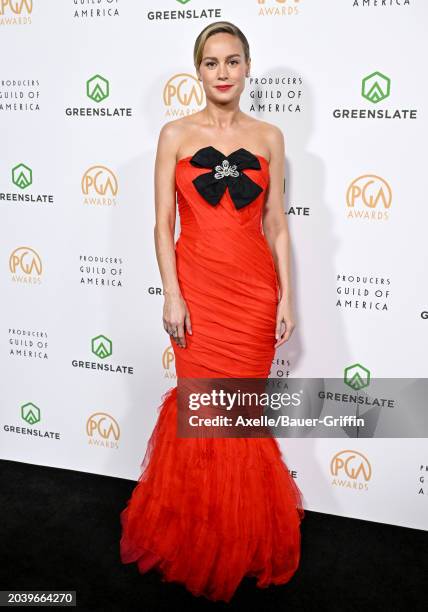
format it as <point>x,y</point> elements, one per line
<point>207,512</point>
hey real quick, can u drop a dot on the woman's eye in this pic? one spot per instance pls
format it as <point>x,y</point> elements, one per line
<point>209,64</point>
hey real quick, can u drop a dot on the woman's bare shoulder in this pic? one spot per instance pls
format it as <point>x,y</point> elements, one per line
<point>174,132</point>
<point>269,137</point>
<point>268,130</point>
<point>169,140</point>
<point>178,126</point>
<point>170,130</point>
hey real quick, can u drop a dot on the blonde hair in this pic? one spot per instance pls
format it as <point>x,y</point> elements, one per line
<point>215,28</point>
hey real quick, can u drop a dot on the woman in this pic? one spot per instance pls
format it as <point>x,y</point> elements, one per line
<point>207,512</point>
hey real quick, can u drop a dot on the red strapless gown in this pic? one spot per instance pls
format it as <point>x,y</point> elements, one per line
<point>208,511</point>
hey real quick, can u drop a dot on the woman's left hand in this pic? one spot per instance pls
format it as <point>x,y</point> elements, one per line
<point>284,322</point>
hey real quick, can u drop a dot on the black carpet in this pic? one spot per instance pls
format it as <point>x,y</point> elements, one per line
<point>60,529</point>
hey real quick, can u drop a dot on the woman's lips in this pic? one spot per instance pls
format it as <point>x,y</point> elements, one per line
<point>223,87</point>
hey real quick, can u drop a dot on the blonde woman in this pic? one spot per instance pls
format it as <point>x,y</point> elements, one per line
<point>208,512</point>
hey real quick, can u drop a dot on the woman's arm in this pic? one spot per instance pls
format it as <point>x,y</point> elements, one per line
<point>275,228</point>
<point>175,313</point>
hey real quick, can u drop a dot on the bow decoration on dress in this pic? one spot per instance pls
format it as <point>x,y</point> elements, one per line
<point>226,172</point>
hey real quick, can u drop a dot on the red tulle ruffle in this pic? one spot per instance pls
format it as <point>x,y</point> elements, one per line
<point>208,511</point>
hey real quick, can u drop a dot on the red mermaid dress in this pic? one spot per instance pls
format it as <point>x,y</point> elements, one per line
<point>206,512</point>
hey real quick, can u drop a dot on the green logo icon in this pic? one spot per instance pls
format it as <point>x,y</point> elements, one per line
<point>30,413</point>
<point>183,1</point>
<point>22,176</point>
<point>97,88</point>
<point>102,346</point>
<point>375,87</point>
<point>357,376</point>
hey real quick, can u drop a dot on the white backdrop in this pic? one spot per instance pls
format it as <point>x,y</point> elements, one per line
<point>84,90</point>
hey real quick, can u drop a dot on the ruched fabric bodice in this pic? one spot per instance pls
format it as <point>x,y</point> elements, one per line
<point>227,276</point>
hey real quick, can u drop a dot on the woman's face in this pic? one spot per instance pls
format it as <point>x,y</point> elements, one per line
<point>223,63</point>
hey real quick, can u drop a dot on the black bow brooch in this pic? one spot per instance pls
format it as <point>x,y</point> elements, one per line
<point>226,172</point>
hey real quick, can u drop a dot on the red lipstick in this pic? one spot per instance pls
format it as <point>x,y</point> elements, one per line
<point>223,87</point>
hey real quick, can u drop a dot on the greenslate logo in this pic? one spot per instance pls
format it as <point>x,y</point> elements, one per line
<point>183,1</point>
<point>375,87</point>
<point>97,88</point>
<point>102,346</point>
<point>30,413</point>
<point>357,376</point>
<point>22,176</point>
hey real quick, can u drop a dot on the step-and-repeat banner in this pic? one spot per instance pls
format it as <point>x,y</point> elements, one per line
<point>85,87</point>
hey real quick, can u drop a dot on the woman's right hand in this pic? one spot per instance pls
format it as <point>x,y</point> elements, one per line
<point>176,319</point>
